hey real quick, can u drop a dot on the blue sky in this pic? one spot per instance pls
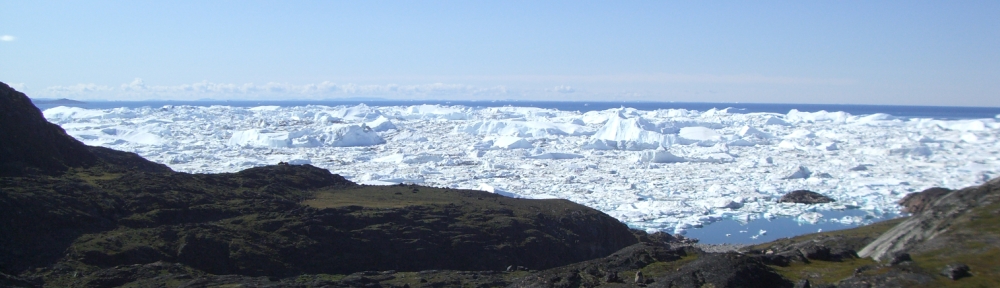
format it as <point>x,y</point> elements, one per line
<point>842,52</point>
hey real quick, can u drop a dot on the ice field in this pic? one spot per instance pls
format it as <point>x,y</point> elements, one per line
<point>662,170</point>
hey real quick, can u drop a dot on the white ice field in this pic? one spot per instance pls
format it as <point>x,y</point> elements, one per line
<point>662,170</point>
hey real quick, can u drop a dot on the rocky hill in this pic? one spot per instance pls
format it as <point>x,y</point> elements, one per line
<point>70,215</point>
<point>78,216</point>
<point>31,144</point>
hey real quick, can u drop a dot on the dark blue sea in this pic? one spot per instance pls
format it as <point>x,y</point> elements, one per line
<point>936,112</point>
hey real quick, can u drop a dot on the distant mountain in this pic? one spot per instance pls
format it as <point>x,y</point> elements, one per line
<point>60,101</point>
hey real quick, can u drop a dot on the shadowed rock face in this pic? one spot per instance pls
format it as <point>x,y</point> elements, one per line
<point>30,144</point>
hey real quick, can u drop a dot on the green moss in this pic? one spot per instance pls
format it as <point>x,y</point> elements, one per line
<point>822,272</point>
<point>976,244</point>
<point>659,268</point>
<point>92,177</point>
<point>983,266</point>
<point>320,277</point>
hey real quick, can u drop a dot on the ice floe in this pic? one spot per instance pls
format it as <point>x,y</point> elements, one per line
<point>669,170</point>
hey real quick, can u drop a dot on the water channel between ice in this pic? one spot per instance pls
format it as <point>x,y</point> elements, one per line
<point>730,231</point>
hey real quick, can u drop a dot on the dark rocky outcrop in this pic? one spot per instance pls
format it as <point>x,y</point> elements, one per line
<point>955,271</point>
<point>805,197</point>
<point>723,270</point>
<point>610,269</point>
<point>888,277</point>
<point>14,281</point>
<point>32,145</point>
<point>823,248</point>
<point>918,202</point>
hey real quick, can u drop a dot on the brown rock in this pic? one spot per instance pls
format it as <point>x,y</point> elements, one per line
<point>805,197</point>
<point>918,202</point>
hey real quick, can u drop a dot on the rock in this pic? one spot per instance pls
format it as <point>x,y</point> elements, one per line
<point>775,259</point>
<point>30,143</point>
<point>816,252</point>
<point>597,272</point>
<point>14,281</point>
<point>805,197</point>
<point>955,271</point>
<point>205,253</point>
<point>918,202</point>
<point>886,277</point>
<point>924,227</point>
<point>723,270</point>
<point>804,283</point>
<point>898,257</point>
<point>612,277</point>
<point>661,238</point>
<point>790,256</point>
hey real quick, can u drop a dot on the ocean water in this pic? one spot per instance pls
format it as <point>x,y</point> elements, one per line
<point>937,112</point>
<point>743,232</point>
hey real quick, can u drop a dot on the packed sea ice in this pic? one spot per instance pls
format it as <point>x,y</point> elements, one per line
<point>663,170</point>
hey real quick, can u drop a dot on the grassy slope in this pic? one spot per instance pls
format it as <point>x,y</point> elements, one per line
<point>974,240</point>
<point>282,221</point>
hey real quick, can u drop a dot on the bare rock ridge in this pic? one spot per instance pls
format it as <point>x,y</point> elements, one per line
<point>30,144</point>
<point>936,211</point>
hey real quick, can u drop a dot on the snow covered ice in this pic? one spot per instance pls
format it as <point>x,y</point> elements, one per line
<point>667,170</point>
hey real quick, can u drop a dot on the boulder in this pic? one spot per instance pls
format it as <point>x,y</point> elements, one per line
<point>918,202</point>
<point>805,197</point>
<point>955,271</point>
<point>898,257</point>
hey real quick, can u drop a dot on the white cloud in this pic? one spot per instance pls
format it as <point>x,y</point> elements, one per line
<point>18,86</point>
<point>7,38</point>
<point>661,78</point>
<point>79,89</point>
<point>138,90</point>
<point>561,89</point>
<point>136,85</point>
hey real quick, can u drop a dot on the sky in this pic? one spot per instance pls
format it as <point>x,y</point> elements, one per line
<point>817,52</point>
